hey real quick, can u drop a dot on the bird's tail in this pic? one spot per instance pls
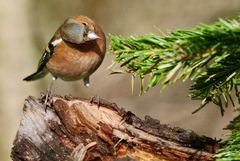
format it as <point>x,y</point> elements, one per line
<point>36,75</point>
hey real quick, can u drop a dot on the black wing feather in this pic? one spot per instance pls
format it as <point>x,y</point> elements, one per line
<point>41,70</point>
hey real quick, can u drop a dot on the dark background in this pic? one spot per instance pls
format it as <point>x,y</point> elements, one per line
<point>26,26</point>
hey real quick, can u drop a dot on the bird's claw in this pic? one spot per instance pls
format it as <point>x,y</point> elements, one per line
<point>46,100</point>
<point>95,99</point>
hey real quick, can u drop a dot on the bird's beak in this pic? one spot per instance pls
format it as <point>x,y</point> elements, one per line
<point>92,35</point>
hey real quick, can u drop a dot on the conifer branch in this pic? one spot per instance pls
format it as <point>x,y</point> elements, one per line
<point>207,54</point>
<point>231,148</point>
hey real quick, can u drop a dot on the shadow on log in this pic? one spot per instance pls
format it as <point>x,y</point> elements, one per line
<point>74,129</point>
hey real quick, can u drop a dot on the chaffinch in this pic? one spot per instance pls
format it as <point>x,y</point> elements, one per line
<point>75,51</point>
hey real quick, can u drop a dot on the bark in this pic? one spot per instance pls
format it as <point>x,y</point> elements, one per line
<point>75,129</point>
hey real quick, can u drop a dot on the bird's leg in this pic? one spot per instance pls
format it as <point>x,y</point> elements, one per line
<point>94,97</point>
<point>49,91</point>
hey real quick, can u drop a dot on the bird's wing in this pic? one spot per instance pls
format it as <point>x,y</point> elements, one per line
<point>49,51</point>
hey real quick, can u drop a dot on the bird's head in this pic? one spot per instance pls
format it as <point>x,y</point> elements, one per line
<point>78,31</point>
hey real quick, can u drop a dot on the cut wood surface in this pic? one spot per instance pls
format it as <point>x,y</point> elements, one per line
<point>74,129</point>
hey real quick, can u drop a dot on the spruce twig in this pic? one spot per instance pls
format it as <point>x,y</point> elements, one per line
<point>231,148</point>
<point>207,54</point>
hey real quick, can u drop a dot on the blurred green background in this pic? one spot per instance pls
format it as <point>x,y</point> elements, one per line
<point>27,25</point>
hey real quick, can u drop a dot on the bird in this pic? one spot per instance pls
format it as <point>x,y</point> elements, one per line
<point>75,51</point>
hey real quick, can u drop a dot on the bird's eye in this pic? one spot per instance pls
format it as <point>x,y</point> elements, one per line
<point>85,34</point>
<point>86,29</point>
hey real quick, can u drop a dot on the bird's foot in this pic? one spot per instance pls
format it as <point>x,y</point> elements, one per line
<point>46,99</point>
<point>95,99</point>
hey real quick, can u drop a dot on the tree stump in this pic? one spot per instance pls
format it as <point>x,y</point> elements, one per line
<point>74,129</point>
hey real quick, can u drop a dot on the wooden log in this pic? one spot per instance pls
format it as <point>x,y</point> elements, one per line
<point>75,129</point>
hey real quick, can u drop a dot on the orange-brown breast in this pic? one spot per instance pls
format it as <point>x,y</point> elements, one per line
<point>77,61</point>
